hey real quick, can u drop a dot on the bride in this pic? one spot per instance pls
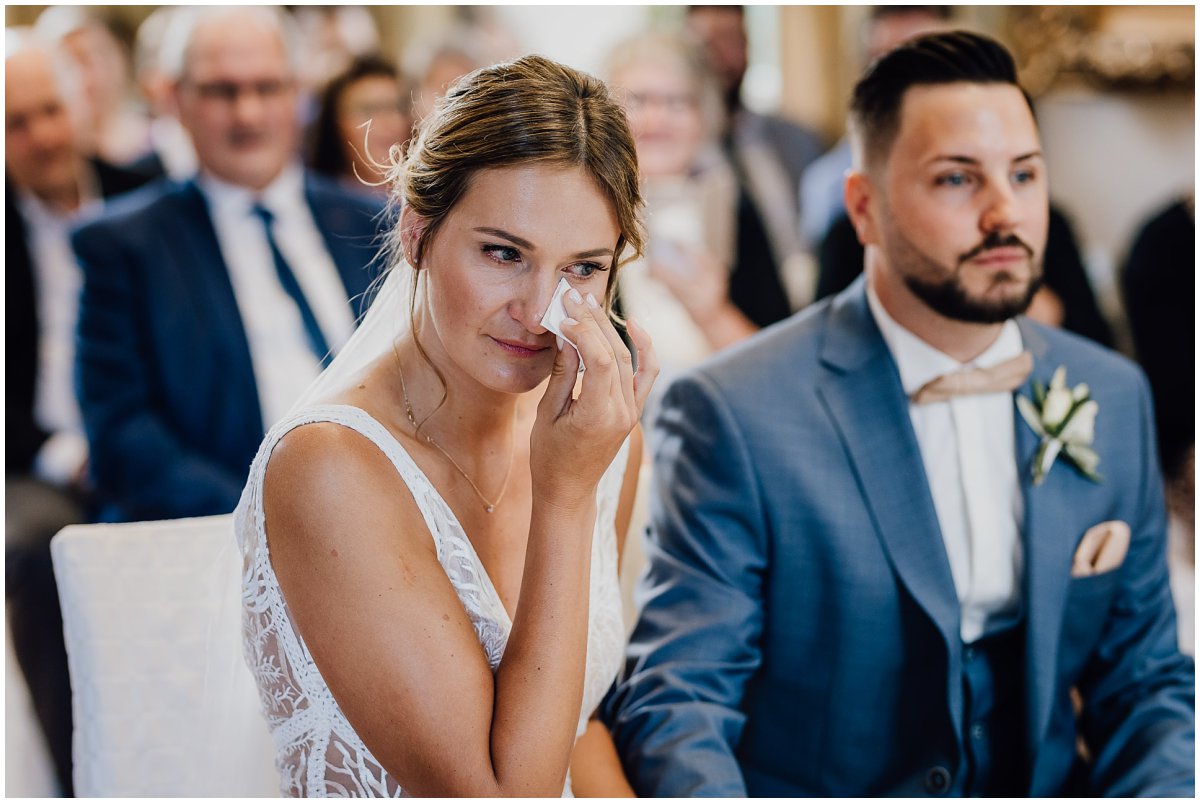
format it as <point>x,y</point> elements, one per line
<point>431,536</point>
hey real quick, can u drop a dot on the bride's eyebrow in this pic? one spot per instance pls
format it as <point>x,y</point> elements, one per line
<point>528,246</point>
<point>595,252</point>
<point>512,238</point>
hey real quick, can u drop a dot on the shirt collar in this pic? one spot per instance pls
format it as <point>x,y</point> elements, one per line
<point>283,194</point>
<point>920,362</point>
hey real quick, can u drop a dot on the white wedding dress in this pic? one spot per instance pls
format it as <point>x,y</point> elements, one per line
<point>318,754</point>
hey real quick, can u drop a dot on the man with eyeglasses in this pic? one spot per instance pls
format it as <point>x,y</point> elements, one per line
<point>209,305</point>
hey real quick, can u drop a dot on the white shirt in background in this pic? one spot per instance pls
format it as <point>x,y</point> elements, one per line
<point>968,446</point>
<point>284,365</point>
<point>59,281</point>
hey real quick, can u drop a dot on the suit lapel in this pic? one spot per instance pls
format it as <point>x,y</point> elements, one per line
<point>863,395</point>
<point>1051,529</point>
<point>207,269</point>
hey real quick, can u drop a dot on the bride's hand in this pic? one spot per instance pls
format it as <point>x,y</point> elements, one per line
<point>575,439</point>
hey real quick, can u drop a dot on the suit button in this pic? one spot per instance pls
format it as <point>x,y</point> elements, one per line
<point>937,781</point>
<point>977,731</point>
<point>969,654</point>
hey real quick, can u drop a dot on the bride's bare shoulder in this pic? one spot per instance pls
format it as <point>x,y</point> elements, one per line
<point>324,475</point>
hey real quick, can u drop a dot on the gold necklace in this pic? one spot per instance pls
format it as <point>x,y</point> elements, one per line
<point>488,505</point>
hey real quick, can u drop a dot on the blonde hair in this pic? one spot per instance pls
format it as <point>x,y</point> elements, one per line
<point>684,51</point>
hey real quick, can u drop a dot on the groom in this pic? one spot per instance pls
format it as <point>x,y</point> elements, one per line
<point>861,581</point>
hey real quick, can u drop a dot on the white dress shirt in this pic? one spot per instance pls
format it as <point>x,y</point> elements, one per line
<point>59,280</point>
<point>968,446</point>
<point>284,365</point>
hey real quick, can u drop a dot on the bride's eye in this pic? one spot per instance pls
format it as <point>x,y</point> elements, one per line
<point>584,270</point>
<point>502,253</point>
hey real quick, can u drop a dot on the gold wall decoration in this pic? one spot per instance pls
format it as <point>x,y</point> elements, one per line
<point>1107,47</point>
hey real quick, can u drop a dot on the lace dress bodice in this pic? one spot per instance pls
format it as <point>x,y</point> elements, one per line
<point>318,754</point>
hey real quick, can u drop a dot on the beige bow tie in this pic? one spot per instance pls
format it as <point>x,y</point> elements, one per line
<point>1000,378</point>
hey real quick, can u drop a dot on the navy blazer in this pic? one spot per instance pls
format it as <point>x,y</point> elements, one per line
<point>800,634</point>
<point>167,390</point>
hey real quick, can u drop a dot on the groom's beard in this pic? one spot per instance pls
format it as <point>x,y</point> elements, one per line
<point>943,290</point>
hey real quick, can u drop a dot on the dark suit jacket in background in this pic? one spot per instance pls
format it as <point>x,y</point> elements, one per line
<point>800,634</point>
<point>23,437</point>
<point>1159,283</point>
<point>166,384</point>
<point>841,261</point>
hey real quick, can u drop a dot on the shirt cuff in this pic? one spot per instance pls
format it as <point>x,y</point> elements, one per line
<point>61,458</point>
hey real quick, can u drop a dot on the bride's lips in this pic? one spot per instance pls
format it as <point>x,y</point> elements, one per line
<point>519,349</point>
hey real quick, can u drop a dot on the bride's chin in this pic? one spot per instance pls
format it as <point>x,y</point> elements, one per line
<point>514,380</point>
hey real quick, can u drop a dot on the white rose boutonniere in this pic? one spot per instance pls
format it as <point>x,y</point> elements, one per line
<point>1065,420</point>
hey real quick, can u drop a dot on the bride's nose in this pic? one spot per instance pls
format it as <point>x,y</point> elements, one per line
<point>531,301</point>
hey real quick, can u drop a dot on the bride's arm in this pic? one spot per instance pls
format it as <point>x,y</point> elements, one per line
<point>385,627</point>
<point>392,640</point>
<point>595,766</point>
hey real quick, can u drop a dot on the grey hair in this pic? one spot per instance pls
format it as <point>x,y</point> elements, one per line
<point>148,42</point>
<point>185,21</point>
<point>24,38</point>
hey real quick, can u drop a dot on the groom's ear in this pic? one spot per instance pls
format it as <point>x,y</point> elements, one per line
<point>861,200</point>
<point>412,235</point>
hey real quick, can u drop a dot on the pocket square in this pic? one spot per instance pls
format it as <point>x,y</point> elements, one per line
<point>1102,549</point>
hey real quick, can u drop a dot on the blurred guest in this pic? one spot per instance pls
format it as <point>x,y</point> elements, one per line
<point>171,151</point>
<point>1159,286</point>
<point>116,127</point>
<point>1065,298</point>
<point>208,306</point>
<point>331,37</point>
<point>821,186</point>
<point>723,31</point>
<point>773,275</point>
<point>50,184</point>
<point>1181,549</point>
<point>680,291</point>
<point>363,114</point>
<point>435,65</point>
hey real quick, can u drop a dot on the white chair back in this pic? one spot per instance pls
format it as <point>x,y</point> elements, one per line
<point>164,703</point>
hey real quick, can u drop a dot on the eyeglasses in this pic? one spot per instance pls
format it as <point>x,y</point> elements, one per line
<point>229,91</point>
<point>671,101</point>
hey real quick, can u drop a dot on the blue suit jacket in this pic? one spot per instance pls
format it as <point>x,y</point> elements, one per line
<point>167,390</point>
<point>800,634</point>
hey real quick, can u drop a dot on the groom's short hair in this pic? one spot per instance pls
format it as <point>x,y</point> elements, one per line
<point>938,58</point>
